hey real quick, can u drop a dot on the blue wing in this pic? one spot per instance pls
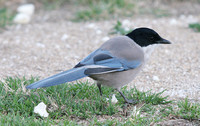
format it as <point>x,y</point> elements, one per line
<point>106,59</point>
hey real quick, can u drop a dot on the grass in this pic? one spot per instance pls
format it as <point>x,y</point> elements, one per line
<point>104,9</point>
<point>187,110</point>
<point>89,9</point>
<point>158,12</point>
<point>80,103</point>
<point>119,29</point>
<point>195,26</point>
<point>155,11</point>
<point>6,17</point>
<point>52,4</point>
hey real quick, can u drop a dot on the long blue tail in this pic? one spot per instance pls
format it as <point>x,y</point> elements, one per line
<point>63,77</point>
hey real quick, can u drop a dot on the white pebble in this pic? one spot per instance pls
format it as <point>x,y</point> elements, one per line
<point>57,46</point>
<point>126,29</point>
<point>92,26</point>
<point>114,99</point>
<point>98,32</point>
<point>41,109</point>
<point>76,57</point>
<point>182,17</point>
<point>154,21</point>
<point>126,22</point>
<point>68,46</point>
<point>4,59</point>
<point>136,111</point>
<point>188,19</point>
<point>27,9</point>
<point>40,45</point>
<point>155,78</point>
<point>191,19</point>
<point>173,21</point>
<point>105,38</point>
<point>80,41</point>
<point>22,18</point>
<point>64,37</point>
<point>166,51</point>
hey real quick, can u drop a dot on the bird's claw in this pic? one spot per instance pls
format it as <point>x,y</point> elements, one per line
<point>131,101</point>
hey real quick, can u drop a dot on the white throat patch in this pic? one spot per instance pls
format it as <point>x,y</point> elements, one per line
<point>148,50</point>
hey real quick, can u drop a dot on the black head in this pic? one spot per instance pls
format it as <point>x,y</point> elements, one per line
<point>146,36</point>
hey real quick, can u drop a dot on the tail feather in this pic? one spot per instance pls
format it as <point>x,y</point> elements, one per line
<point>60,78</point>
<point>72,75</point>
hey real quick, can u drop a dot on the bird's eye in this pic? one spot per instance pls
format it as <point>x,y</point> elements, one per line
<point>151,37</point>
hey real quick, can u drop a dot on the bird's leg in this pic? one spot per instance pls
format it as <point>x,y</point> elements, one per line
<point>99,86</point>
<point>130,101</point>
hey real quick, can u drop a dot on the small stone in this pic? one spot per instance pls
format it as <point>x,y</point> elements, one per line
<point>27,9</point>
<point>136,111</point>
<point>92,26</point>
<point>126,22</point>
<point>4,59</point>
<point>57,46</point>
<point>64,37</point>
<point>41,110</point>
<point>22,18</point>
<point>68,46</point>
<point>154,21</point>
<point>76,57</point>
<point>182,17</point>
<point>105,38</point>
<point>40,45</point>
<point>173,21</point>
<point>167,51</point>
<point>98,32</point>
<point>80,41</point>
<point>155,78</point>
<point>126,29</point>
<point>114,99</point>
<point>191,19</point>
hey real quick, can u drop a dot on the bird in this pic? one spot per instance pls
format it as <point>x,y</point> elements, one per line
<point>114,64</point>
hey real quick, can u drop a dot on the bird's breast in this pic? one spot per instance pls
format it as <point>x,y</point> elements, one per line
<point>117,79</point>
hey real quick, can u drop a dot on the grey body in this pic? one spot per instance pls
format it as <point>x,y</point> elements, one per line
<point>116,79</point>
<point>126,48</point>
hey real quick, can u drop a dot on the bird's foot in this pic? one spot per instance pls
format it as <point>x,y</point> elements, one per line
<point>131,101</point>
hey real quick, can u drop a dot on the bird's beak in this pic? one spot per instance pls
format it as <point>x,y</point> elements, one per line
<point>163,41</point>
